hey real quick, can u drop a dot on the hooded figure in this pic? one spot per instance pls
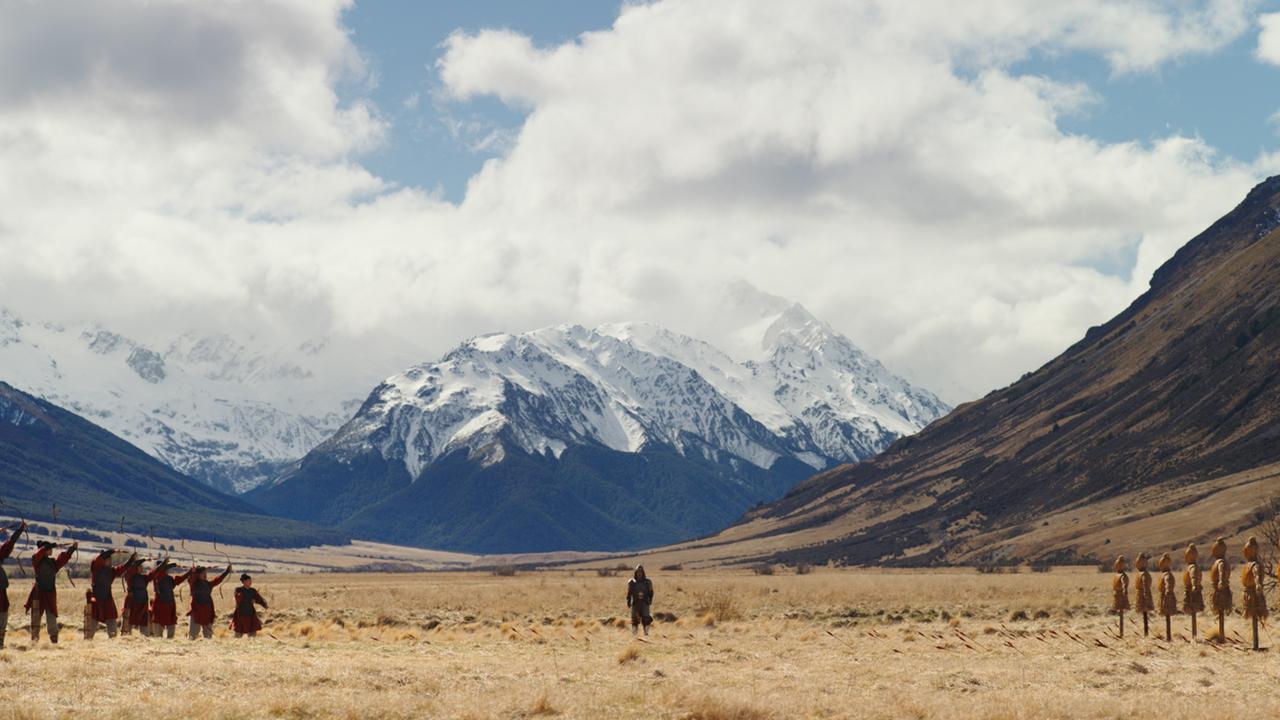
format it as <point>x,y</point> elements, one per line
<point>245,619</point>
<point>639,598</point>
<point>43,600</point>
<point>5,551</point>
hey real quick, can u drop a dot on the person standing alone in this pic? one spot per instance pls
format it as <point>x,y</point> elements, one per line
<point>639,599</point>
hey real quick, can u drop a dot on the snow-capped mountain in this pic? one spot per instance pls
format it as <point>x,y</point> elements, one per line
<point>211,407</point>
<point>807,398</point>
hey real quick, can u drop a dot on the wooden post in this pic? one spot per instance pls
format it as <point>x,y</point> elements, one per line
<point>1168,628</point>
<point>1145,630</point>
<point>1192,589</point>
<point>1220,577</point>
<point>1255,599</point>
<point>1121,624</point>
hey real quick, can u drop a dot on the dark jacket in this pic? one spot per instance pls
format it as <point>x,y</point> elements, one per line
<point>639,592</point>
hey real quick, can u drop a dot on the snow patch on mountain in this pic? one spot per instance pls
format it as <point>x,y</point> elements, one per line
<point>225,412</point>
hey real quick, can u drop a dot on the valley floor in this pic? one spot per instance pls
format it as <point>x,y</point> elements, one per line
<point>831,644</point>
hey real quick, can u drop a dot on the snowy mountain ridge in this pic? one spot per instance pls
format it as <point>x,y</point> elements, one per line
<point>807,393</point>
<point>208,406</point>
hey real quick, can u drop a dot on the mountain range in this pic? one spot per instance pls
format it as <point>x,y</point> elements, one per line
<point>228,413</point>
<point>1157,428</point>
<point>52,457</point>
<point>618,436</point>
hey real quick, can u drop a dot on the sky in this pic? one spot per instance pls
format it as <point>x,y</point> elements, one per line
<point>962,189</point>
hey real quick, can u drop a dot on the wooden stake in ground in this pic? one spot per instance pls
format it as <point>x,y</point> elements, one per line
<point>1168,595</point>
<point>1255,600</point>
<point>1145,604</point>
<point>1192,592</point>
<point>1220,580</point>
<point>1120,591</point>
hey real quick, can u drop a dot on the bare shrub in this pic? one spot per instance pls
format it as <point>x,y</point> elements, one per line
<point>606,572</point>
<point>677,567</point>
<point>803,568</point>
<point>504,570</point>
<point>1268,518</point>
<point>762,569</point>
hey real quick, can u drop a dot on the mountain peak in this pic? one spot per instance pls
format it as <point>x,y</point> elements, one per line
<point>630,404</point>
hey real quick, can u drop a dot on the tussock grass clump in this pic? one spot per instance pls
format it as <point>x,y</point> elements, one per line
<point>709,708</point>
<point>718,605</point>
<point>631,654</point>
<point>762,569</point>
<point>543,707</point>
<point>504,570</point>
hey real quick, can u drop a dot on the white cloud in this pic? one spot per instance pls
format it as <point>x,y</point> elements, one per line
<point>1268,49</point>
<point>880,161</point>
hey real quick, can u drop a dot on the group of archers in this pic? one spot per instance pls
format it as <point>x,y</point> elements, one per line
<point>151,615</point>
<point>1254,605</point>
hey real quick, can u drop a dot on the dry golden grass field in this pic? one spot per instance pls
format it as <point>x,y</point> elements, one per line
<point>831,644</point>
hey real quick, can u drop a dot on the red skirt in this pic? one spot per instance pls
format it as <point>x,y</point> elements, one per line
<point>164,614</point>
<point>138,614</point>
<point>202,614</point>
<point>245,624</point>
<point>104,611</point>
<point>48,600</point>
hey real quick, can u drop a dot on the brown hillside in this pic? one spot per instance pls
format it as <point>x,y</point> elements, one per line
<point>1158,427</point>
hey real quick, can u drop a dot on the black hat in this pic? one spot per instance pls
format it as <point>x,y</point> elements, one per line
<point>245,576</point>
<point>45,544</point>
